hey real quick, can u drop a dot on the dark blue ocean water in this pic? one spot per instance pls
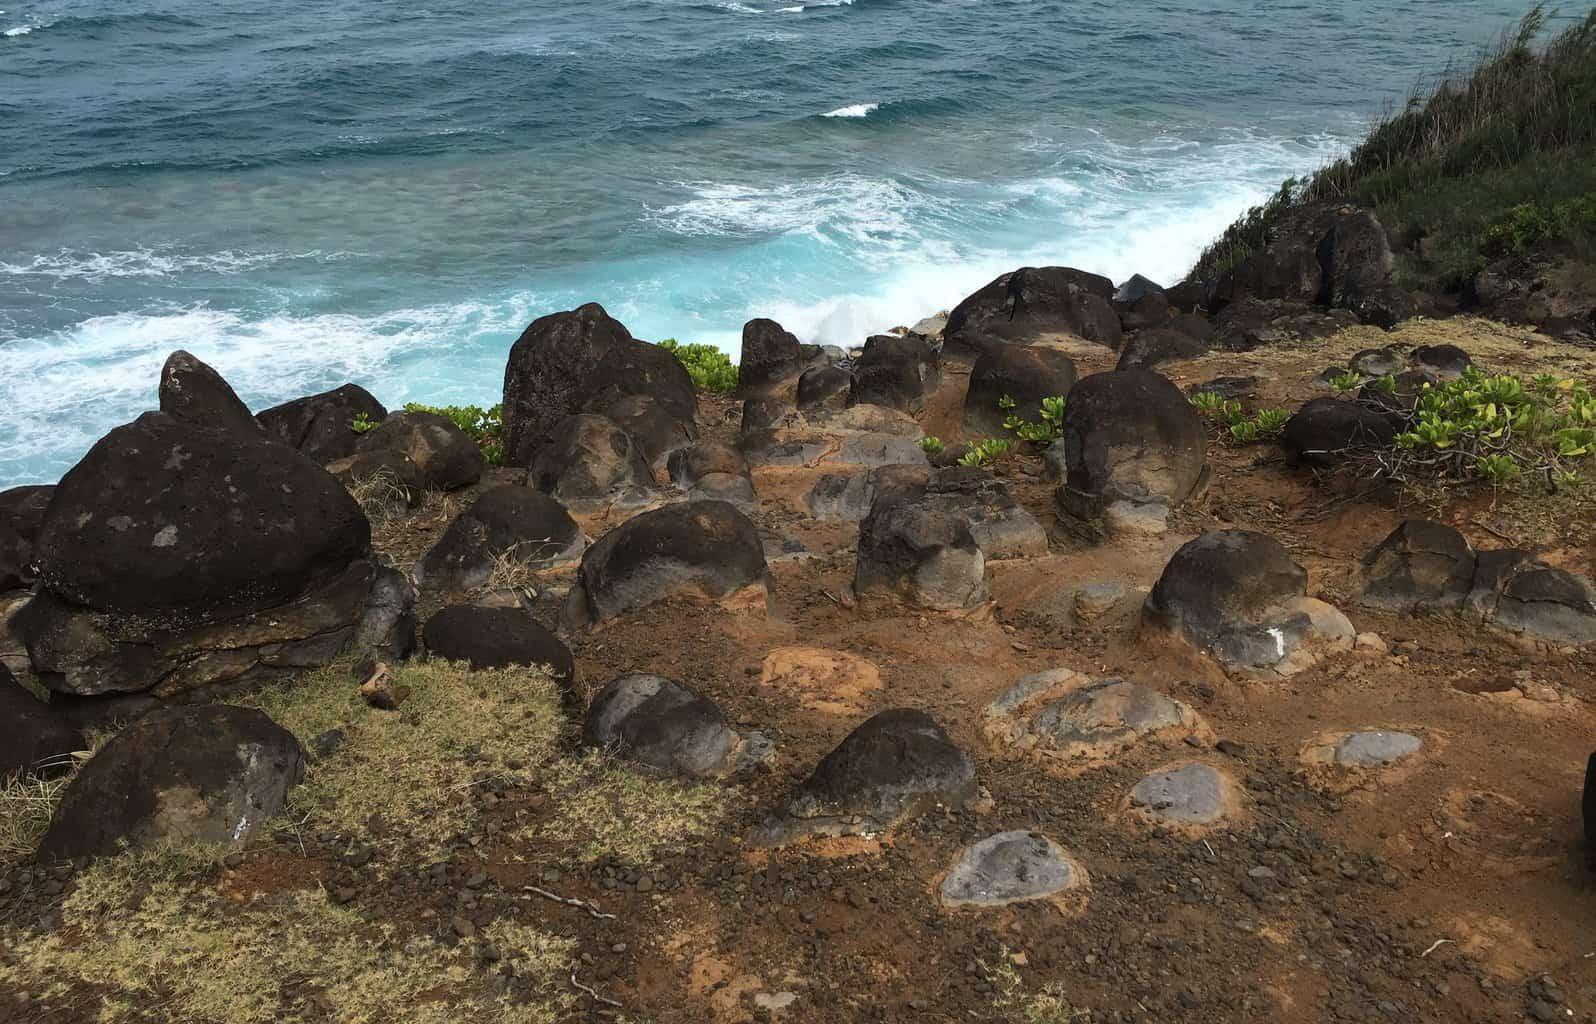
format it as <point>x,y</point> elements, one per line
<point>305,193</point>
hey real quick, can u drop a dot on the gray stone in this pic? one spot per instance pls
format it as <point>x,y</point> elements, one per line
<point>1095,600</point>
<point>1192,794</point>
<point>1365,749</point>
<point>873,450</point>
<point>664,725</point>
<point>1069,716</point>
<point>1010,867</point>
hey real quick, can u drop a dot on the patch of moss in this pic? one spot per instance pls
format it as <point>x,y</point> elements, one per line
<point>609,809</point>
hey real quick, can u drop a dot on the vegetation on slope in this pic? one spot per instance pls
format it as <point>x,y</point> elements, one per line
<point>1490,160</point>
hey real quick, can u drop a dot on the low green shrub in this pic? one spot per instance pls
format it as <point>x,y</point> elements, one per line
<point>932,445</point>
<point>1049,429</point>
<point>1229,415</point>
<point>985,452</point>
<point>711,369</point>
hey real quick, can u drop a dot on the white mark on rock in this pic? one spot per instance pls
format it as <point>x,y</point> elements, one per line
<point>1280,641</point>
<point>165,537</point>
<point>238,830</point>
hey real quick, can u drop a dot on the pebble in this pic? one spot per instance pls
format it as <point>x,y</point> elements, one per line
<point>463,927</point>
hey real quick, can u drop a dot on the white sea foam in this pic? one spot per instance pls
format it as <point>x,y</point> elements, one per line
<point>857,110</point>
<point>68,264</point>
<point>20,30</point>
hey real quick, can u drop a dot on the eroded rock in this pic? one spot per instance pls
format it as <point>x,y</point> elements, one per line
<point>506,524</point>
<point>1008,868</point>
<point>1064,715</point>
<point>662,724</point>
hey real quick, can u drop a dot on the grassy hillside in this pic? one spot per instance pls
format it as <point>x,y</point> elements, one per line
<point>1486,161</point>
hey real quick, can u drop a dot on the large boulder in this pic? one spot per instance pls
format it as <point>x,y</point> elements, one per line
<point>1025,375</point>
<point>1548,603</point>
<point>383,480</point>
<point>1157,346</point>
<point>921,551</point>
<point>847,497</point>
<point>35,739</point>
<point>1421,566</point>
<point>173,557</point>
<point>1001,527</point>
<point>1327,431</point>
<point>321,426</point>
<point>21,517</point>
<point>895,766</point>
<point>704,551</point>
<point>588,458</point>
<point>1130,438</point>
<point>1239,597</point>
<point>654,431</point>
<point>490,637</point>
<point>1358,267</point>
<point>1035,304</point>
<point>713,472</point>
<point>824,389</point>
<point>203,773</point>
<point>897,372</point>
<point>582,359</point>
<point>444,454</point>
<point>770,355</point>
<point>507,523</point>
<point>194,393</point>
<point>662,724</point>
<point>161,518</point>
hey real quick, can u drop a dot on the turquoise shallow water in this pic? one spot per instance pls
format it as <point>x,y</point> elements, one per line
<point>309,193</point>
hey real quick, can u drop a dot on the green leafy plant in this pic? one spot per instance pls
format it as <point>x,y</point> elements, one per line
<point>362,423</point>
<point>709,367</point>
<point>986,452</point>
<point>1348,381</point>
<point>932,445</point>
<point>1044,431</point>
<point>1229,414</point>
<point>483,426</point>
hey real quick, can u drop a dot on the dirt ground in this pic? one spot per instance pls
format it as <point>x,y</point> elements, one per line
<point>1449,888</point>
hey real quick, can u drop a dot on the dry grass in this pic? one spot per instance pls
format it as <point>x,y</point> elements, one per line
<point>149,937</point>
<point>26,805</point>
<point>381,496</point>
<point>406,776</point>
<point>1014,1003</point>
<point>609,809</point>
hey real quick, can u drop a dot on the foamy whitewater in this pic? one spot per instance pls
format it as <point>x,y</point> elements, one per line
<point>305,194</point>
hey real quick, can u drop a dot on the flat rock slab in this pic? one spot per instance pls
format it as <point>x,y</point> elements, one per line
<point>1369,749</point>
<point>1193,794</point>
<point>1067,715</point>
<point>830,682</point>
<point>1010,867</point>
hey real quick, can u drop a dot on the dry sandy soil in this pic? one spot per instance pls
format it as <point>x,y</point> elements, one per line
<point>1449,888</point>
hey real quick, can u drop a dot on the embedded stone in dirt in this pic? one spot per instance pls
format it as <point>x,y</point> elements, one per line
<point>446,457</point>
<point>1549,603</point>
<point>1421,566</point>
<point>1239,597</point>
<point>829,682</point>
<point>1069,716</point>
<point>705,551</point>
<point>1024,374</point>
<point>497,637</point>
<point>35,739</point>
<point>1446,362</point>
<point>1000,526</point>
<point>194,393</point>
<point>387,627</point>
<point>1369,749</point>
<point>920,550</point>
<point>1156,346</point>
<point>727,487</point>
<point>589,459</point>
<point>898,764</point>
<point>21,518</point>
<point>1129,436</point>
<point>1327,430</point>
<point>847,497</point>
<point>1378,362</point>
<point>206,773</point>
<point>1096,600</point>
<point>321,427</point>
<point>876,450</point>
<point>662,724</point>
<point>687,466</point>
<point>514,525</point>
<point>1193,794</point>
<point>1010,867</point>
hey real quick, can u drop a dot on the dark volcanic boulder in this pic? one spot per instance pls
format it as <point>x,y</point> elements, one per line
<point>897,765</point>
<point>582,359</point>
<point>824,389</point>
<point>1035,303</point>
<point>445,455</point>
<point>1129,436</point>
<point>487,637</point>
<point>688,466</point>
<point>1444,362</point>
<point>664,725</point>
<point>655,432</point>
<point>1134,289</point>
<point>507,522</point>
<point>1025,374</point>
<point>321,426</point>
<point>1241,598</point>
<point>1358,266</point>
<point>206,773</point>
<point>705,551</point>
<point>1550,603</point>
<point>21,517</point>
<point>770,354</point>
<point>1157,346</point>
<point>35,739</point>
<point>848,496</point>
<point>193,393</point>
<point>588,458</point>
<point>1421,566</point>
<point>385,478</point>
<point>161,518</point>
<point>920,551</point>
<point>387,627</point>
<point>897,372</point>
<point>1326,430</point>
<point>1001,528</point>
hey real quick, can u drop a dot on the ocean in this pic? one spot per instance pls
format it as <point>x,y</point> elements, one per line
<point>308,193</point>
